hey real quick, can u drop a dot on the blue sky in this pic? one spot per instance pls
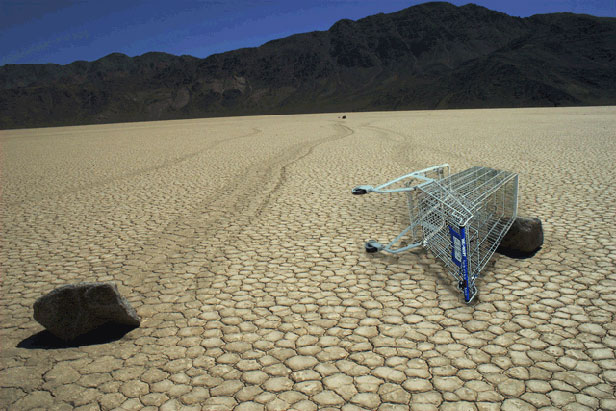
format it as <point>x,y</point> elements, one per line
<point>62,31</point>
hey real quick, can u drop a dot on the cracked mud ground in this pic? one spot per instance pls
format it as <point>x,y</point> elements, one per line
<point>240,246</point>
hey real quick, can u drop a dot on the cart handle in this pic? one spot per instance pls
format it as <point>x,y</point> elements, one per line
<point>364,189</point>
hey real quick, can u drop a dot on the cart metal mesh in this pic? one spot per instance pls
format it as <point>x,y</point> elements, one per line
<point>461,218</point>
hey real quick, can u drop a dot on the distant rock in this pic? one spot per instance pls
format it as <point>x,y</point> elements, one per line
<point>75,309</point>
<point>523,239</point>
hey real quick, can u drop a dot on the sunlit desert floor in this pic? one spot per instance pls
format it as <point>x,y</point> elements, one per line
<point>238,242</point>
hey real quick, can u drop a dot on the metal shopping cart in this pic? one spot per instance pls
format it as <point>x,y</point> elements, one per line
<point>461,218</point>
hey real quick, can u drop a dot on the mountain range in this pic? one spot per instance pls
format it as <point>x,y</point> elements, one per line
<point>429,56</point>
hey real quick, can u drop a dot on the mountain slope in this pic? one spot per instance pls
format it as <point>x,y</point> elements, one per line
<point>434,55</point>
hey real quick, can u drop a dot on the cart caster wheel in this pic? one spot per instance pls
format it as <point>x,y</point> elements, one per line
<point>370,248</point>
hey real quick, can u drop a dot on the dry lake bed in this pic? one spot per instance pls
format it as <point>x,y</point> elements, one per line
<point>238,242</point>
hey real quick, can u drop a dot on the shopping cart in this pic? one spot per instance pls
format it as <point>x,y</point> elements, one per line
<point>461,218</point>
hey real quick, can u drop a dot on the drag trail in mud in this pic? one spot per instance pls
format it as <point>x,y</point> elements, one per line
<point>240,245</point>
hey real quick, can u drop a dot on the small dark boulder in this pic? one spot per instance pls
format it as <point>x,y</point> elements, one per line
<point>343,116</point>
<point>75,309</point>
<point>523,239</point>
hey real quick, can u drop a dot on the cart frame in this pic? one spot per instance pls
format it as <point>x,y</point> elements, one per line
<point>461,218</point>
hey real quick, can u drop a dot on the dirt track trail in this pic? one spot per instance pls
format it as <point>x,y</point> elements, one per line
<point>240,246</point>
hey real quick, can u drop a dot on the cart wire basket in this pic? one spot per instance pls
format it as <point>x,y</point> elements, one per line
<point>461,218</point>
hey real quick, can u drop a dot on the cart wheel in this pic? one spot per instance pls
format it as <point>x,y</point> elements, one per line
<point>370,248</point>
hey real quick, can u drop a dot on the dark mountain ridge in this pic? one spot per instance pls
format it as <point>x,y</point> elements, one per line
<point>434,55</point>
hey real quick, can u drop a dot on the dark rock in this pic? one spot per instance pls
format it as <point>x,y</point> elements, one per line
<point>343,117</point>
<point>523,239</point>
<point>75,309</point>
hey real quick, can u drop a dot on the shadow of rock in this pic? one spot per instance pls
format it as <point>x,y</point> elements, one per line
<point>518,255</point>
<point>104,334</point>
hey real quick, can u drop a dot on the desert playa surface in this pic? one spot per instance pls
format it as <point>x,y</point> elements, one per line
<point>238,242</point>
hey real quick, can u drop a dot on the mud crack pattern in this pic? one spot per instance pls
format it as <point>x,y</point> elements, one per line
<point>240,246</point>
